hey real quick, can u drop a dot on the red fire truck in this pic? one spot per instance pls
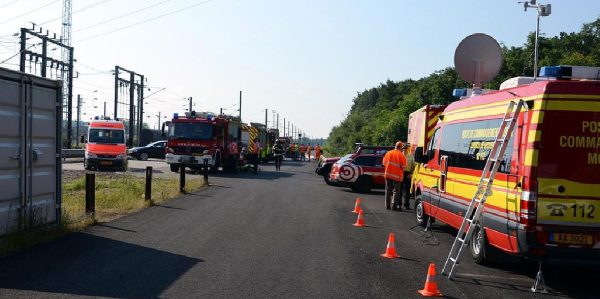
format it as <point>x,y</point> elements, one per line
<point>196,139</point>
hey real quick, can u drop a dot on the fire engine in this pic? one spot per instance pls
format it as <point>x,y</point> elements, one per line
<point>545,198</point>
<point>195,140</point>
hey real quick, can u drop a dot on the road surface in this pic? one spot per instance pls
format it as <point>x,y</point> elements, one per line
<point>275,234</point>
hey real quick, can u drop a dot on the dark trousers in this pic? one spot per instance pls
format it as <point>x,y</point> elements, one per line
<point>392,189</point>
<point>406,189</point>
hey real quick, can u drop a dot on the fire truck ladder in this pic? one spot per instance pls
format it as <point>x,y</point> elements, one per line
<point>484,188</point>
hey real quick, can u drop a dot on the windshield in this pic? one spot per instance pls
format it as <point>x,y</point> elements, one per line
<point>106,136</point>
<point>344,159</point>
<point>196,131</point>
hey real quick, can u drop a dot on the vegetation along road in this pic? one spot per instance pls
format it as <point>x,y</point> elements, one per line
<point>275,234</point>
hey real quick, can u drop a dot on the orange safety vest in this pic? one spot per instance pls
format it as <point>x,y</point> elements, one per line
<point>293,147</point>
<point>394,162</point>
<point>233,148</point>
<point>317,151</point>
<point>303,149</point>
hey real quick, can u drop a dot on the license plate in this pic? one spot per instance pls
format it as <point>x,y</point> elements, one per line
<point>105,163</point>
<point>571,239</point>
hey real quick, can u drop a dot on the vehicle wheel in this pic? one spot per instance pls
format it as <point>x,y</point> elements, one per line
<point>174,167</point>
<point>479,246</point>
<point>363,184</point>
<point>326,179</point>
<point>143,156</point>
<point>420,215</point>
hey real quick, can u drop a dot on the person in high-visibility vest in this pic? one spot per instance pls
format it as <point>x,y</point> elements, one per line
<point>293,151</point>
<point>233,154</point>
<point>407,180</point>
<point>302,152</point>
<point>394,162</point>
<point>317,152</point>
<point>308,149</point>
<point>255,152</point>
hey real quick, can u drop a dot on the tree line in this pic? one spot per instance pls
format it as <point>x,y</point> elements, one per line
<point>379,115</point>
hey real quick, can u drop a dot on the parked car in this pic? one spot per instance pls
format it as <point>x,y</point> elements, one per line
<point>360,172</point>
<point>324,166</point>
<point>153,150</point>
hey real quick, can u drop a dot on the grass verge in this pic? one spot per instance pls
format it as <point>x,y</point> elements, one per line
<point>116,195</point>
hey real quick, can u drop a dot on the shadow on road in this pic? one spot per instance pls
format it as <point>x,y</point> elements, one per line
<point>84,264</point>
<point>261,175</point>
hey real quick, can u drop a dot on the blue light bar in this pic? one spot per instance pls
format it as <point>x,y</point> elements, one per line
<point>175,115</point>
<point>459,92</point>
<point>551,71</point>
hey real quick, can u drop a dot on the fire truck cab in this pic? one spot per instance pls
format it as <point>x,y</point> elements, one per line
<point>195,141</point>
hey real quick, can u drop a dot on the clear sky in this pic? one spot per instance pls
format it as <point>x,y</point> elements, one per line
<point>304,59</point>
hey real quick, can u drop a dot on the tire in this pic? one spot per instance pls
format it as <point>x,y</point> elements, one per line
<point>420,216</point>
<point>326,178</point>
<point>363,184</point>
<point>143,156</point>
<point>479,246</point>
<point>174,167</point>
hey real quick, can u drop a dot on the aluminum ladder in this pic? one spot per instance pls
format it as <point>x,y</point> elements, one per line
<point>484,188</point>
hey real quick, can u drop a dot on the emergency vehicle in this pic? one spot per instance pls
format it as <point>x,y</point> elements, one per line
<point>105,145</point>
<point>194,140</point>
<point>545,200</point>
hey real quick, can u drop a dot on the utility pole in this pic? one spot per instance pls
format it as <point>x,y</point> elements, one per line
<point>133,86</point>
<point>284,132</point>
<point>277,121</point>
<point>240,105</point>
<point>190,110</point>
<point>266,119</point>
<point>158,128</point>
<point>64,65</point>
<point>104,114</point>
<point>221,113</point>
<point>78,119</point>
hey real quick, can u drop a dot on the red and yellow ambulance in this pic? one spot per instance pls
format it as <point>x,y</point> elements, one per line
<point>546,195</point>
<point>105,145</point>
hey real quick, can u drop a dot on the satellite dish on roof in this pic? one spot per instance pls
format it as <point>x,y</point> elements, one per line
<point>478,59</point>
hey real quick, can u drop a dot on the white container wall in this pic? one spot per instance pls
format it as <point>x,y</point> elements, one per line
<point>30,169</point>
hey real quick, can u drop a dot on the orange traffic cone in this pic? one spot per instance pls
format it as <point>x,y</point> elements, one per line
<point>431,287</point>
<point>360,221</point>
<point>390,250</point>
<point>357,206</point>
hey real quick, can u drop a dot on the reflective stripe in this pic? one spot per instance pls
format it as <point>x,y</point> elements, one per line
<point>395,164</point>
<point>392,175</point>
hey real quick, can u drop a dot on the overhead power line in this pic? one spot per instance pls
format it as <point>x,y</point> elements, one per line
<point>145,21</point>
<point>29,12</point>
<point>9,3</point>
<point>79,10</point>
<point>123,15</point>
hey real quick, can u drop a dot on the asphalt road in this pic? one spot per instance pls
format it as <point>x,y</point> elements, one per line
<point>275,234</point>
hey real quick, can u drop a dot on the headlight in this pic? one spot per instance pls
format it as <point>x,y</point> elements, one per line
<point>90,155</point>
<point>120,156</point>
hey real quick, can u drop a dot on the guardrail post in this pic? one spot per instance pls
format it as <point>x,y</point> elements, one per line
<point>148,193</point>
<point>206,172</point>
<point>182,178</point>
<point>90,193</point>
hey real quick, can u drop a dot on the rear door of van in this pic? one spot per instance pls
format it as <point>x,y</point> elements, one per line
<point>568,164</point>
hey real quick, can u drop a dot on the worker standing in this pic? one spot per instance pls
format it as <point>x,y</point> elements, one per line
<point>233,154</point>
<point>293,151</point>
<point>302,152</point>
<point>406,181</point>
<point>394,162</point>
<point>317,152</point>
<point>255,152</point>
<point>278,154</point>
<point>308,150</point>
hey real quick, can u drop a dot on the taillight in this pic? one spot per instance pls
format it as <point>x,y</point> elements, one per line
<point>527,213</point>
<point>170,150</point>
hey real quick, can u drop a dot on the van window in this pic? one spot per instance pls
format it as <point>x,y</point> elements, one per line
<point>365,161</point>
<point>432,144</point>
<point>468,145</point>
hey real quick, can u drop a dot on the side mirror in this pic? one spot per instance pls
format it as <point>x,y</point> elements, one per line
<point>82,139</point>
<point>420,157</point>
